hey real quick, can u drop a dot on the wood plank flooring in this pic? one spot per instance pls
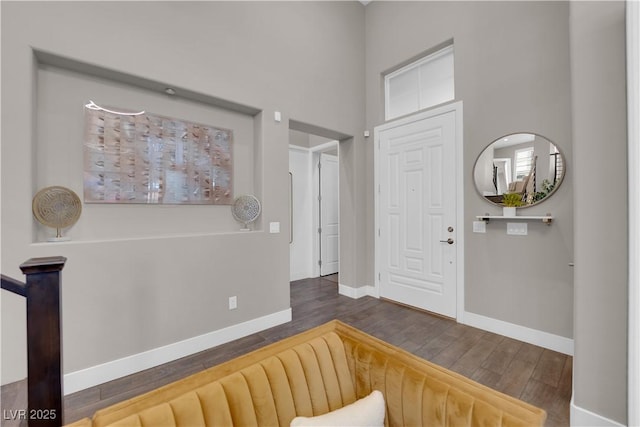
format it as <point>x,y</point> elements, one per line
<point>533,374</point>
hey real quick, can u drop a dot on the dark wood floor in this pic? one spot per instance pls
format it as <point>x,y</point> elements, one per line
<point>533,374</point>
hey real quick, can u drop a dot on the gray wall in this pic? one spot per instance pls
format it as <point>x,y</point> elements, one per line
<point>300,139</point>
<point>600,157</point>
<point>126,294</point>
<point>512,74</point>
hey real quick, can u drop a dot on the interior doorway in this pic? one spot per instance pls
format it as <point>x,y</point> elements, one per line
<point>315,205</point>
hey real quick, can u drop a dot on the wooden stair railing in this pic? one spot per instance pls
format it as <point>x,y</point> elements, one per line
<point>44,345</point>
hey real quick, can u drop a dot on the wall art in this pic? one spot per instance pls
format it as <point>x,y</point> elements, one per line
<point>147,158</point>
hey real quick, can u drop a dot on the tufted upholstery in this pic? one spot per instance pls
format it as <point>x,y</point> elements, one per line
<point>420,393</point>
<point>316,372</point>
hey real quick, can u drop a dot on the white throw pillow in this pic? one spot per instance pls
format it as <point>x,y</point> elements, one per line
<point>366,412</point>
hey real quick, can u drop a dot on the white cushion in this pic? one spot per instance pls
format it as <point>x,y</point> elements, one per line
<point>366,412</point>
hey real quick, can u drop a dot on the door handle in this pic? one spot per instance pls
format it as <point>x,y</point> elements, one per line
<point>449,241</point>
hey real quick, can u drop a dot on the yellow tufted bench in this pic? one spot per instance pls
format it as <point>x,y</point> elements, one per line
<point>315,372</point>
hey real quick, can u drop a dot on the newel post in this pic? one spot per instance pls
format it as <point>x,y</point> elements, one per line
<point>44,340</point>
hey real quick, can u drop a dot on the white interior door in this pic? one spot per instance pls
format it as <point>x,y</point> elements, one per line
<point>416,252</point>
<point>301,231</point>
<point>329,214</point>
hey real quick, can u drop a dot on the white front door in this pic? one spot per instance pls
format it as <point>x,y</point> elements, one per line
<point>416,251</point>
<point>329,214</point>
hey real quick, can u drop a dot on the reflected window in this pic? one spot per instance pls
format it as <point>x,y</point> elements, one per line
<point>523,161</point>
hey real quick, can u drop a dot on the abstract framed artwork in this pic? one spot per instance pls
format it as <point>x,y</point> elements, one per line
<point>151,159</point>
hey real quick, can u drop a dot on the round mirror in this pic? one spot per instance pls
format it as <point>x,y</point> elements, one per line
<point>523,164</point>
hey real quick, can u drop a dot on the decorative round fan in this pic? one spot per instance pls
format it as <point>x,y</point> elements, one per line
<point>57,207</point>
<point>246,209</point>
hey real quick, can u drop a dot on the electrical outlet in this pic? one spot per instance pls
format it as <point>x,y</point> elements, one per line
<point>517,228</point>
<point>233,303</point>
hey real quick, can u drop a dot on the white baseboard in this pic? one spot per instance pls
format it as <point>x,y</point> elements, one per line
<point>580,417</point>
<point>95,375</point>
<point>356,293</point>
<point>521,333</point>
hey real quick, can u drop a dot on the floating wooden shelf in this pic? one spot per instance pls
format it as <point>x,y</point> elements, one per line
<point>547,219</point>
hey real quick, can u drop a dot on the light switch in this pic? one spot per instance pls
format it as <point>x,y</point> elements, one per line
<point>277,116</point>
<point>274,227</point>
<point>517,228</point>
<point>479,227</point>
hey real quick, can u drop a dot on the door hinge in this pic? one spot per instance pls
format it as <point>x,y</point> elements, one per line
<point>319,198</point>
<point>319,230</point>
<point>319,165</point>
<point>379,277</point>
<point>320,262</point>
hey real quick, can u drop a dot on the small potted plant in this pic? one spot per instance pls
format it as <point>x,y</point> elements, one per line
<point>511,201</point>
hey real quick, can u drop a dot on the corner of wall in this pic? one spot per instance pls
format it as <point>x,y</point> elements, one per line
<point>581,417</point>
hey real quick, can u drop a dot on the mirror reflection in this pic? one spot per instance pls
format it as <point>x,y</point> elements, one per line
<point>522,163</point>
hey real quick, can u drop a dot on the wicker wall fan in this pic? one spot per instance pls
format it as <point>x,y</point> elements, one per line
<point>57,207</point>
<point>246,209</point>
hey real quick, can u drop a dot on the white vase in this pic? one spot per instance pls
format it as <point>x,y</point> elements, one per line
<point>508,211</point>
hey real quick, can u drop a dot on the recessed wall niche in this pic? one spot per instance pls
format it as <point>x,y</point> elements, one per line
<point>61,95</point>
